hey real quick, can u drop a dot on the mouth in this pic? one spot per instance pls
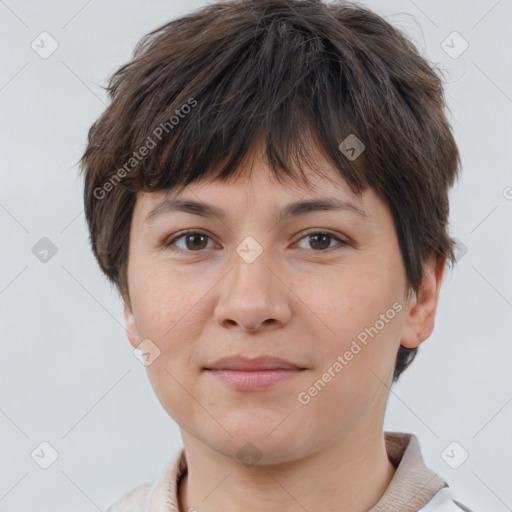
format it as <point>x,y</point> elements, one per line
<point>261,363</point>
<point>254,380</point>
<point>251,374</point>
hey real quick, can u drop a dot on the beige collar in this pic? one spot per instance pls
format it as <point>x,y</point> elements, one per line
<point>411,488</point>
<point>413,484</point>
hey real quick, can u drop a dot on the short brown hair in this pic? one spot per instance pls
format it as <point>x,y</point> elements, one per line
<point>201,89</point>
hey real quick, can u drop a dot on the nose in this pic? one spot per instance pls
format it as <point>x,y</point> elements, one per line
<point>252,297</point>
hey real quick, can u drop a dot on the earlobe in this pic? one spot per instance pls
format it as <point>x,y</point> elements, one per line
<point>422,306</point>
<point>131,327</point>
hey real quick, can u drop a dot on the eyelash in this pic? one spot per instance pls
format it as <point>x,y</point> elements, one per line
<point>170,244</point>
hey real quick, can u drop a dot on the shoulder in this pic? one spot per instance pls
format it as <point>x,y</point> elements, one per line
<point>133,500</point>
<point>164,489</point>
<point>443,501</point>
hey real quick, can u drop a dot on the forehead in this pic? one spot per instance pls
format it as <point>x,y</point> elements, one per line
<point>256,184</point>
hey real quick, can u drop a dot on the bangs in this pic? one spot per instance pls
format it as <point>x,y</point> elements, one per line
<point>282,89</point>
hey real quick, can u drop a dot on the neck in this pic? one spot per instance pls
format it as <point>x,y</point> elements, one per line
<point>350,474</point>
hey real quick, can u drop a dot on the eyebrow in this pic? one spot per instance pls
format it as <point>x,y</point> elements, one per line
<point>294,209</point>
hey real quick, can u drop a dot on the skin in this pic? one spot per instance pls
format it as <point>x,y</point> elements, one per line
<point>303,299</point>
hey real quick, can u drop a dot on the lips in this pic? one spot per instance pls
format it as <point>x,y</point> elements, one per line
<point>241,373</point>
<point>261,363</point>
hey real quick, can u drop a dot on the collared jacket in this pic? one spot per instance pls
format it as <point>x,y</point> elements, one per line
<point>414,487</point>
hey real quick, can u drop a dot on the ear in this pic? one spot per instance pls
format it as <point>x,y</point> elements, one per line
<point>422,305</point>
<point>131,327</point>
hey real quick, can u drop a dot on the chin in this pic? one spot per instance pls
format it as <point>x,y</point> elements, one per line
<point>250,451</point>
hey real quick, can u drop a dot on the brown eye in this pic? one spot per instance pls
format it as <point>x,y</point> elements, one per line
<point>320,241</point>
<point>197,241</point>
<point>194,241</point>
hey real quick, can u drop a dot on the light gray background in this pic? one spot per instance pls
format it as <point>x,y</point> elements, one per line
<point>68,375</point>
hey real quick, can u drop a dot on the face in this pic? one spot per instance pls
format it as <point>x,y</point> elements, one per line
<point>323,289</point>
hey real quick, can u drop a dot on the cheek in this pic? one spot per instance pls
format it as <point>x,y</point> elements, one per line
<point>170,311</point>
<point>361,323</point>
<point>166,300</point>
<point>344,303</point>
